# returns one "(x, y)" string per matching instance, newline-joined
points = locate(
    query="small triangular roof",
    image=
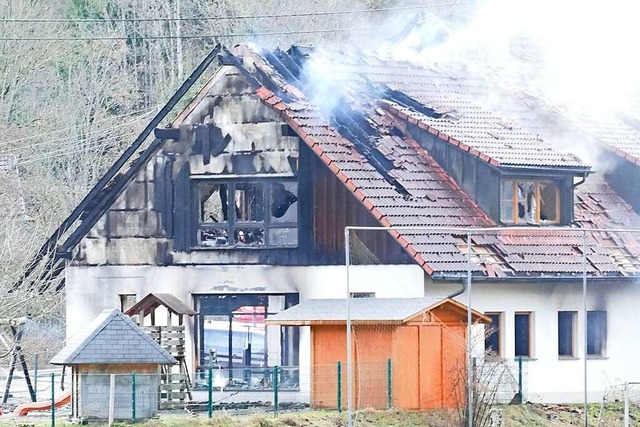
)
(153, 301)
(112, 338)
(365, 311)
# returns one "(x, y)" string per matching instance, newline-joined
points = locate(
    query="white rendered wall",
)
(92, 289)
(549, 378)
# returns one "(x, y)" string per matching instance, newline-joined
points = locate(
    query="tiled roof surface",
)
(112, 338)
(462, 122)
(413, 190)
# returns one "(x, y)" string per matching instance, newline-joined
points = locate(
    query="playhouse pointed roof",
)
(112, 338)
(365, 310)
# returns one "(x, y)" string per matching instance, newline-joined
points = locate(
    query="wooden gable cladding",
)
(334, 208)
(230, 134)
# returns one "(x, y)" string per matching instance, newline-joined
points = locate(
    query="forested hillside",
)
(80, 78)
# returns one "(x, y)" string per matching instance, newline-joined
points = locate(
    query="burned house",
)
(238, 208)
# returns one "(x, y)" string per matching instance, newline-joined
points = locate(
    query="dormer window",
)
(247, 213)
(529, 202)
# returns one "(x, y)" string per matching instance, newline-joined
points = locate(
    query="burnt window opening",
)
(247, 214)
(596, 333)
(529, 202)
(213, 200)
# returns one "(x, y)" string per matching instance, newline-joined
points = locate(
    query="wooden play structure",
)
(12, 340)
(406, 353)
(175, 384)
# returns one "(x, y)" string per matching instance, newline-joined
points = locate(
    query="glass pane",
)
(506, 201)
(565, 333)
(522, 334)
(284, 196)
(249, 236)
(213, 202)
(249, 202)
(596, 332)
(506, 190)
(492, 335)
(548, 202)
(283, 236)
(213, 237)
(506, 212)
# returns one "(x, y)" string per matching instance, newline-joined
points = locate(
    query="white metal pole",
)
(349, 361)
(584, 322)
(112, 398)
(469, 364)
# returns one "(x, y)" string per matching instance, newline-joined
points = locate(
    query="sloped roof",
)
(112, 338)
(362, 310)
(154, 300)
(402, 185)
(405, 194)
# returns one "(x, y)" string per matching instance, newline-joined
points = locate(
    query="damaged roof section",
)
(399, 182)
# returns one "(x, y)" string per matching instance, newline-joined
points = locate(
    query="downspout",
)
(573, 188)
(462, 290)
(584, 178)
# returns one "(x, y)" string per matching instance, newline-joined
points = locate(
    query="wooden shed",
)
(423, 338)
(113, 344)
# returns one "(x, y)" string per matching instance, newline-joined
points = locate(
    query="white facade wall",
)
(93, 289)
(549, 378)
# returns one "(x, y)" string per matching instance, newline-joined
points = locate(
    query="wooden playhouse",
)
(407, 352)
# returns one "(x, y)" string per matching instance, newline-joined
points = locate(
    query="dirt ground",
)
(526, 415)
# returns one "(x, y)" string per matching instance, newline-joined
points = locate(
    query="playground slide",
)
(43, 405)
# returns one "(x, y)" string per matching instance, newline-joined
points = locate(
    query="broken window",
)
(247, 214)
(249, 202)
(529, 202)
(566, 333)
(213, 202)
(596, 333)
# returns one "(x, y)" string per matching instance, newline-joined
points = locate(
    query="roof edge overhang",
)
(544, 171)
(462, 277)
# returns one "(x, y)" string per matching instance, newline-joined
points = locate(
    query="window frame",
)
(126, 299)
(602, 353)
(514, 200)
(573, 316)
(233, 224)
(530, 352)
(497, 333)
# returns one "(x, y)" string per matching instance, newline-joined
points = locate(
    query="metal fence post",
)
(389, 384)
(519, 395)
(210, 393)
(275, 390)
(626, 404)
(53, 400)
(133, 397)
(35, 375)
(339, 387)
